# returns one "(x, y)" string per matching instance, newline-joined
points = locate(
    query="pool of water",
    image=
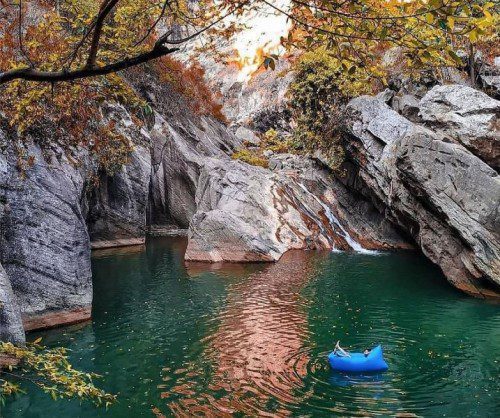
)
(251, 340)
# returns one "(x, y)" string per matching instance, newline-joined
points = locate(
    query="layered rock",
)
(117, 208)
(246, 213)
(52, 211)
(11, 325)
(44, 245)
(181, 141)
(440, 193)
(466, 116)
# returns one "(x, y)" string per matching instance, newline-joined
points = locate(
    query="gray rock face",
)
(491, 83)
(44, 245)
(243, 215)
(466, 116)
(438, 192)
(181, 141)
(234, 211)
(246, 213)
(246, 135)
(11, 325)
(44, 239)
(117, 207)
(180, 151)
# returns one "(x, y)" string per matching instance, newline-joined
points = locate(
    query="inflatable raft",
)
(358, 362)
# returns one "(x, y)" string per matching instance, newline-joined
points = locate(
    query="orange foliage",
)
(66, 114)
(190, 82)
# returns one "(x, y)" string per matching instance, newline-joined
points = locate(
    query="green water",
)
(252, 340)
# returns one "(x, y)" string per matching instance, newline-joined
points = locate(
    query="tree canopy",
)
(62, 40)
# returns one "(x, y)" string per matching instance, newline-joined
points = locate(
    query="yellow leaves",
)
(52, 374)
(451, 22)
(473, 36)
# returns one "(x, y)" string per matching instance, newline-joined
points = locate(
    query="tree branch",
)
(106, 7)
(31, 74)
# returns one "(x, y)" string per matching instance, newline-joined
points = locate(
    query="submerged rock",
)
(440, 193)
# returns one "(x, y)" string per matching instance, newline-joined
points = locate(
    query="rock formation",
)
(247, 213)
(430, 184)
(428, 177)
(466, 116)
(44, 245)
(116, 209)
(11, 326)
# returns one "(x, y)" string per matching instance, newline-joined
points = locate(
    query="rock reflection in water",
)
(258, 353)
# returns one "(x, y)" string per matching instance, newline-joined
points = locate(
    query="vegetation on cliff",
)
(78, 47)
(69, 114)
(318, 96)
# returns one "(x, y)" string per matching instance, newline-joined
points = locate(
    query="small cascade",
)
(356, 246)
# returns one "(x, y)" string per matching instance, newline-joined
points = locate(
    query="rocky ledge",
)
(246, 213)
(433, 178)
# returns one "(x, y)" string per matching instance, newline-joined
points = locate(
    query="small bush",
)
(251, 157)
(190, 82)
(318, 97)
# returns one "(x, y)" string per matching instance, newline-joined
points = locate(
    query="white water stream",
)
(356, 246)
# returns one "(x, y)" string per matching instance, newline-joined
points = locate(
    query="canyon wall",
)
(421, 171)
(436, 178)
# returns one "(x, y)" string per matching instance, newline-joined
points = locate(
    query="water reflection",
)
(258, 354)
(221, 340)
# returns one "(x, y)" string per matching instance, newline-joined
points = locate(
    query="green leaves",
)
(50, 370)
(455, 57)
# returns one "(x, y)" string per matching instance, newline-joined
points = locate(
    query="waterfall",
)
(356, 246)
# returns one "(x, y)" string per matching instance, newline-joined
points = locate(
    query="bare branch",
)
(199, 32)
(31, 74)
(155, 23)
(106, 8)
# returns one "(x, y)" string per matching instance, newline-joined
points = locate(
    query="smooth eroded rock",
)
(44, 245)
(11, 325)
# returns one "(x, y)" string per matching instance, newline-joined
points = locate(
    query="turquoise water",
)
(233, 340)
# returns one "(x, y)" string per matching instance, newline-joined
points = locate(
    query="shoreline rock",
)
(251, 214)
(123, 242)
(441, 194)
(11, 326)
(60, 318)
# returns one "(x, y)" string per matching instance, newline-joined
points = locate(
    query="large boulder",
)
(440, 193)
(466, 116)
(246, 213)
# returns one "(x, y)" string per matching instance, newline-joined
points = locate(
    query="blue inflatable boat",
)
(358, 362)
